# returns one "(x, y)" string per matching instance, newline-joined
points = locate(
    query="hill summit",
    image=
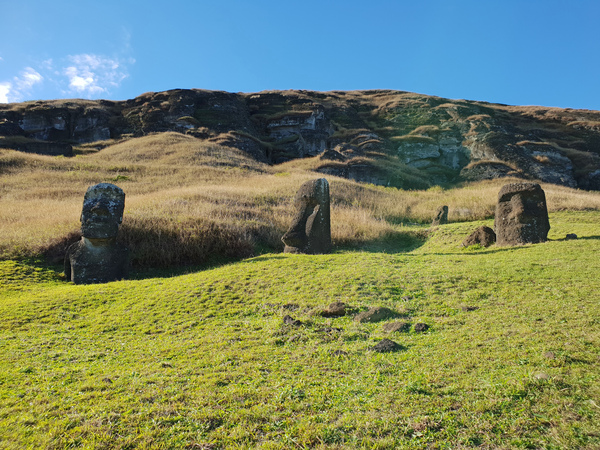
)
(362, 135)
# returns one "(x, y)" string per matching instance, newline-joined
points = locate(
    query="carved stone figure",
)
(521, 215)
(441, 216)
(97, 258)
(310, 231)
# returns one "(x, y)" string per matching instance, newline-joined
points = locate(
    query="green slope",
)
(203, 360)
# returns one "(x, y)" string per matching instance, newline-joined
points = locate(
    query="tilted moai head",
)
(97, 258)
(441, 216)
(521, 215)
(310, 231)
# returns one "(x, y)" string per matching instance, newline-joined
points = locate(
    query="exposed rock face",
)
(97, 258)
(310, 231)
(442, 140)
(441, 216)
(445, 149)
(301, 133)
(521, 215)
(483, 235)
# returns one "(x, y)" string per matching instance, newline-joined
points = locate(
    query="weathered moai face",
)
(310, 231)
(521, 214)
(102, 211)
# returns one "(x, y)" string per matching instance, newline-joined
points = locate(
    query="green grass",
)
(203, 360)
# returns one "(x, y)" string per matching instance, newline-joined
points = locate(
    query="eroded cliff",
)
(439, 140)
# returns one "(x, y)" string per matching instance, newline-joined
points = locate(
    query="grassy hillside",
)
(190, 201)
(204, 360)
(193, 351)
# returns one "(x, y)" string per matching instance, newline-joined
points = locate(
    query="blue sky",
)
(515, 52)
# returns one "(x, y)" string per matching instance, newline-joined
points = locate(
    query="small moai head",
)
(441, 216)
(310, 231)
(102, 213)
(521, 215)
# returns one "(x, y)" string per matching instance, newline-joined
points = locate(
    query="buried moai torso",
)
(310, 231)
(97, 258)
(521, 215)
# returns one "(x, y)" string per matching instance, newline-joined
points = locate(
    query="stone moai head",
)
(97, 257)
(441, 216)
(102, 211)
(310, 231)
(521, 215)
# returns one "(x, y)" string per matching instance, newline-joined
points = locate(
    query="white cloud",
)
(29, 78)
(21, 86)
(92, 75)
(4, 90)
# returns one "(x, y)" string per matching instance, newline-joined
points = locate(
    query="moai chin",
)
(310, 231)
(97, 258)
(521, 215)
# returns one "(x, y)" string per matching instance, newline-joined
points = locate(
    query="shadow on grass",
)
(391, 243)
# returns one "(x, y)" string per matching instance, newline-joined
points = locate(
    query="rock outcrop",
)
(439, 140)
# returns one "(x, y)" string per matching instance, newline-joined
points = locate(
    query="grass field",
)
(203, 360)
(193, 351)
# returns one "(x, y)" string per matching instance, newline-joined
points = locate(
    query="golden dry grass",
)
(184, 193)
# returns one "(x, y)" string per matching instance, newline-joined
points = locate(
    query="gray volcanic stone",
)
(289, 320)
(336, 309)
(386, 345)
(421, 327)
(375, 314)
(483, 236)
(521, 215)
(97, 258)
(310, 231)
(396, 327)
(441, 216)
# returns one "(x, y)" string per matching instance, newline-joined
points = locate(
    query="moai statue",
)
(521, 215)
(310, 232)
(441, 216)
(97, 258)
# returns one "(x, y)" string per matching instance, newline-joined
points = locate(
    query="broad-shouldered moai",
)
(521, 215)
(97, 258)
(310, 231)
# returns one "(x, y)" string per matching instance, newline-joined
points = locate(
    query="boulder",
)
(386, 346)
(310, 231)
(483, 236)
(521, 215)
(375, 314)
(396, 327)
(421, 327)
(336, 309)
